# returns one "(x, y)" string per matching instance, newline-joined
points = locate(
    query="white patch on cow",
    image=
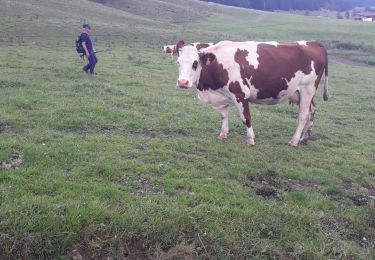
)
(303, 43)
(253, 90)
(215, 98)
(220, 102)
(250, 136)
(253, 56)
(271, 43)
(226, 58)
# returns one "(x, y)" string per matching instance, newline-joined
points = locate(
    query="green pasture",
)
(125, 165)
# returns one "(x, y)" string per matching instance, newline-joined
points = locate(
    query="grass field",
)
(124, 165)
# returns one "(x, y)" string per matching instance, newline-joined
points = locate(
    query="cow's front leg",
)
(223, 110)
(244, 111)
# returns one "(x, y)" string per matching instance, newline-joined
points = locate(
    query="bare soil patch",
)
(103, 245)
(3, 127)
(271, 185)
(15, 161)
(145, 186)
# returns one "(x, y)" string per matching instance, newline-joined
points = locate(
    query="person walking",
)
(88, 48)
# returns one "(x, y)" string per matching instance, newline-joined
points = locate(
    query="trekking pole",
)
(103, 50)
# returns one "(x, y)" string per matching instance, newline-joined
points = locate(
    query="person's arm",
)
(85, 48)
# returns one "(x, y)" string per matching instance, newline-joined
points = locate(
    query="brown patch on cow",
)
(202, 46)
(278, 65)
(320, 57)
(207, 58)
(235, 88)
(169, 50)
(213, 76)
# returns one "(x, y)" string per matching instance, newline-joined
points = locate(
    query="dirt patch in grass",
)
(266, 192)
(339, 229)
(358, 195)
(11, 84)
(3, 127)
(104, 245)
(145, 186)
(180, 251)
(271, 185)
(15, 161)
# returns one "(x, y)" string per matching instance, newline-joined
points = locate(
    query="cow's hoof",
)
(250, 142)
(222, 136)
(304, 140)
(293, 143)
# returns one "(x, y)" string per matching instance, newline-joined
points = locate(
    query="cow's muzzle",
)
(183, 83)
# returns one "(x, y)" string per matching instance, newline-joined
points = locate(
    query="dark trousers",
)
(91, 65)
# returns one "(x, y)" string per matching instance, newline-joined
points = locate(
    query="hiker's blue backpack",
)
(79, 47)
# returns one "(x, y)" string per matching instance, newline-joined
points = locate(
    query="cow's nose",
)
(183, 83)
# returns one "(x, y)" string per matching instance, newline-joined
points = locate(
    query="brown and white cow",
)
(259, 72)
(169, 49)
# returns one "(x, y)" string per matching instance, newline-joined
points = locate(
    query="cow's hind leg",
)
(306, 95)
(223, 110)
(309, 124)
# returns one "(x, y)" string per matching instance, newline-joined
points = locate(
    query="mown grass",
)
(123, 164)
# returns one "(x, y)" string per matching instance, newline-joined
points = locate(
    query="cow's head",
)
(190, 63)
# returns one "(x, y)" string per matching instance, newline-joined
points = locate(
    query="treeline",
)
(271, 5)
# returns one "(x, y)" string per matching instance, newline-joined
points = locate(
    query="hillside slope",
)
(178, 11)
(123, 165)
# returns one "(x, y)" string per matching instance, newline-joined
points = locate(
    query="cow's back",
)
(268, 69)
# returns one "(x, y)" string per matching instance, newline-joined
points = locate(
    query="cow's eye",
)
(195, 65)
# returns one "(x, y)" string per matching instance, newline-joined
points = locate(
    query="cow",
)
(258, 72)
(169, 49)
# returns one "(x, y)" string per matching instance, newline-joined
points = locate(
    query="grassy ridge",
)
(124, 164)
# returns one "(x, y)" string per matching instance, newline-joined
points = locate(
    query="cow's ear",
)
(179, 46)
(206, 58)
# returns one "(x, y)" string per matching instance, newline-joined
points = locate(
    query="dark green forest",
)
(271, 5)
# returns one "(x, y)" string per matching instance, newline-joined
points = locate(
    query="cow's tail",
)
(325, 90)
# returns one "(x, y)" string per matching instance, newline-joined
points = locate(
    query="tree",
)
(271, 5)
